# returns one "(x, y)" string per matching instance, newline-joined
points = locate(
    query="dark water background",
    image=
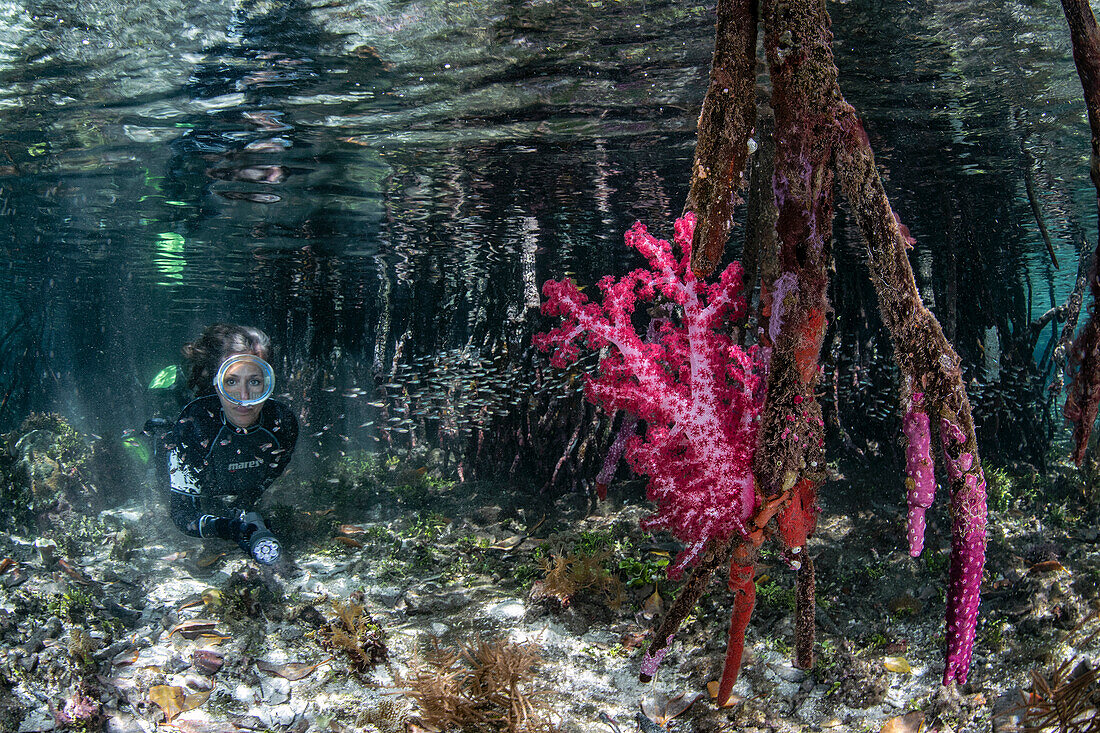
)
(383, 186)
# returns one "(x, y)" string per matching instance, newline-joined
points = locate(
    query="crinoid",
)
(484, 686)
(568, 575)
(1067, 699)
(355, 633)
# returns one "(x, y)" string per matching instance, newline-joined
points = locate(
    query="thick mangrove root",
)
(1084, 393)
(930, 368)
(725, 124)
(743, 585)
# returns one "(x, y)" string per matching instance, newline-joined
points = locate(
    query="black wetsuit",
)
(217, 471)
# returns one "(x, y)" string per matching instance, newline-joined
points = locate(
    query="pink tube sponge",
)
(968, 540)
(921, 477)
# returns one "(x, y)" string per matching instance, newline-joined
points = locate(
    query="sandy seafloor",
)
(442, 560)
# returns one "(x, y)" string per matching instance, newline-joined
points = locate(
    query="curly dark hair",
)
(206, 353)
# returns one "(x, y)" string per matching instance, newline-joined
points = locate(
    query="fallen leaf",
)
(194, 628)
(909, 723)
(291, 671)
(190, 603)
(214, 639)
(350, 529)
(207, 560)
(194, 700)
(126, 658)
(168, 698)
(652, 605)
(680, 703)
(897, 664)
(510, 543)
(73, 573)
(712, 690)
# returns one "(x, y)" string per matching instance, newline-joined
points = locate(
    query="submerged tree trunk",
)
(1084, 393)
(818, 136)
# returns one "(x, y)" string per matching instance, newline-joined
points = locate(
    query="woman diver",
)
(229, 443)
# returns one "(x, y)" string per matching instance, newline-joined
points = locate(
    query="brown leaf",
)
(509, 543)
(904, 603)
(291, 671)
(126, 658)
(73, 573)
(168, 698)
(350, 529)
(909, 723)
(712, 690)
(680, 703)
(1047, 566)
(194, 628)
(194, 700)
(214, 639)
(189, 603)
(207, 560)
(652, 605)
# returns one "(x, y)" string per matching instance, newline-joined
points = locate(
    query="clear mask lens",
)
(245, 380)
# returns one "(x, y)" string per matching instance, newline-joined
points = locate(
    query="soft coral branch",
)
(698, 392)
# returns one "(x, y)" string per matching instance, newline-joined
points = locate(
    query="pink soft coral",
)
(699, 393)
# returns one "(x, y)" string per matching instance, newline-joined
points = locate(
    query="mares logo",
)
(245, 464)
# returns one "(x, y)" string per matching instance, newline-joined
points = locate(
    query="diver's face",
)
(243, 381)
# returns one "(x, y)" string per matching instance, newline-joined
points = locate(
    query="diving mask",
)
(245, 380)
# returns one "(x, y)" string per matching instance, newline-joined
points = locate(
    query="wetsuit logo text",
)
(244, 464)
